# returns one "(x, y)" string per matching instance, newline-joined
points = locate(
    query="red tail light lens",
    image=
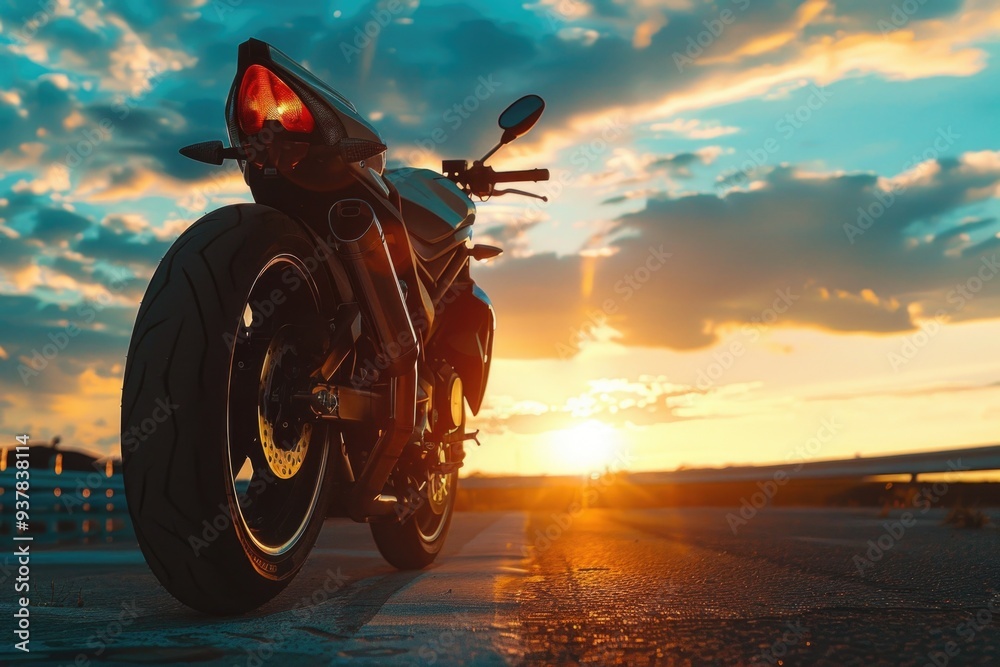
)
(263, 97)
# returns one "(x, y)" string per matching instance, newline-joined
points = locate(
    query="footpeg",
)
(473, 435)
(446, 467)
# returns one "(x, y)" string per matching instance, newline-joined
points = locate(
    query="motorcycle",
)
(311, 354)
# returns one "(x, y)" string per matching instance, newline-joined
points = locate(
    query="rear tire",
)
(178, 433)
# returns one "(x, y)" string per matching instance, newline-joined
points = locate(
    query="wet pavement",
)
(663, 586)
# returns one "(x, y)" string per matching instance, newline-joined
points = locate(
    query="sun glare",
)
(588, 447)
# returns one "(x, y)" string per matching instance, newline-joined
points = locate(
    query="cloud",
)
(511, 234)
(54, 179)
(31, 323)
(35, 109)
(614, 401)
(765, 49)
(117, 241)
(53, 225)
(694, 128)
(642, 193)
(679, 165)
(102, 44)
(781, 250)
(626, 167)
(16, 252)
(924, 390)
(122, 43)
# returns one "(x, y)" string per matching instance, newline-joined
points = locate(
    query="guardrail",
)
(978, 459)
(965, 459)
(69, 506)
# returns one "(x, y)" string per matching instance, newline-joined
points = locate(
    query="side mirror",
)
(520, 117)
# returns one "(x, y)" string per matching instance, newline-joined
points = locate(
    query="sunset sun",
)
(585, 448)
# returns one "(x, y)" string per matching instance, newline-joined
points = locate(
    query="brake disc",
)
(284, 439)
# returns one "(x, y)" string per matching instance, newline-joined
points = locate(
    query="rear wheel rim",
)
(273, 344)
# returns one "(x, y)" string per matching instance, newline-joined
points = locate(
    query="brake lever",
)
(512, 191)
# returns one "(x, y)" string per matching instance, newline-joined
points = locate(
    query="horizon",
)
(615, 467)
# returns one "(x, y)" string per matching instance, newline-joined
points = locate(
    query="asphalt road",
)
(669, 587)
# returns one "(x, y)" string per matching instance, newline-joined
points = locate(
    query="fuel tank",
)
(433, 207)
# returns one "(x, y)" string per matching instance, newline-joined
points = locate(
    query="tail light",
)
(263, 97)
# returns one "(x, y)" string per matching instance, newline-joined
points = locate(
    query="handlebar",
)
(522, 175)
(480, 179)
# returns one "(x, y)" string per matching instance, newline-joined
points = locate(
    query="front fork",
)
(342, 404)
(353, 403)
(392, 403)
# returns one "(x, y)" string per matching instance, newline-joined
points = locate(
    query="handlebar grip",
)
(522, 175)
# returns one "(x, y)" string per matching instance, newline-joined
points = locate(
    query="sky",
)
(771, 230)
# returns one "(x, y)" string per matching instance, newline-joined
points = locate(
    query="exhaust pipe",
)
(360, 244)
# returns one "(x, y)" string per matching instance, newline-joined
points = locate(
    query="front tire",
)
(229, 317)
(415, 537)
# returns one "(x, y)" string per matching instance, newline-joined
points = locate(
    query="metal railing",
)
(68, 506)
